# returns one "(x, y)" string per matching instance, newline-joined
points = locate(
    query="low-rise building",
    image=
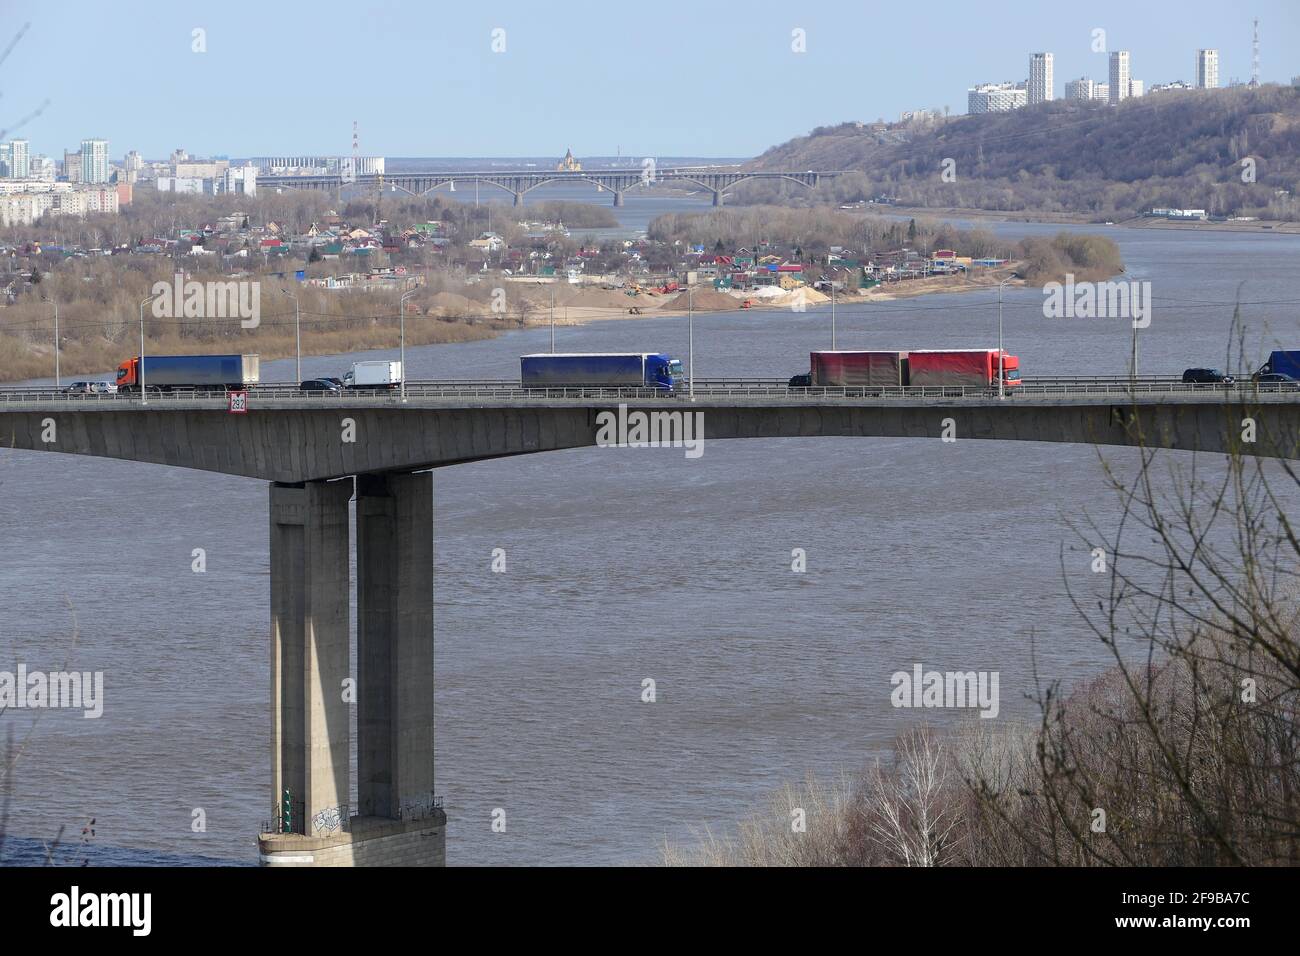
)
(996, 97)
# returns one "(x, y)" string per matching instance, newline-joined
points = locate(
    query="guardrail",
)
(717, 389)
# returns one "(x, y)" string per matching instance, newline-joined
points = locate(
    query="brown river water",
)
(622, 565)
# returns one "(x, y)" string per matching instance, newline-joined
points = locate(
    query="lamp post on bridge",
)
(144, 396)
(690, 342)
(54, 302)
(832, 314)
(297, 330)
(1001, 385)
(401, 309)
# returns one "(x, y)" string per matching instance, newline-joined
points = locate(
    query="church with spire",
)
(568, 164)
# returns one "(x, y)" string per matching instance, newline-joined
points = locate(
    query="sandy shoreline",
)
(584, 315)
(1069, 219)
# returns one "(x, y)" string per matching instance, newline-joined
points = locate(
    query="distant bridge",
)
(716, 180)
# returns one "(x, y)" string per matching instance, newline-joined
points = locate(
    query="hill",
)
(1181, 149)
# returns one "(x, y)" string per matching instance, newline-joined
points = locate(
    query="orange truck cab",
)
(128, 375)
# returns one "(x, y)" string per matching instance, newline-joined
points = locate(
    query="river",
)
(622, 565)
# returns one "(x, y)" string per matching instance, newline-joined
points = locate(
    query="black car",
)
(801, 381)
(1274, 378)
(320, 385)
(1207, 376)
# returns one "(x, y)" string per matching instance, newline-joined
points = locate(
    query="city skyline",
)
(233, 88)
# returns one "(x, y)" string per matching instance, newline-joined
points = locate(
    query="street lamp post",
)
(57, 382)
(832, 315)
(297, 331)
(552, 318)
(401, 308)
(1133, 368)
(144, 396)
(1002, 393)
(690, 342)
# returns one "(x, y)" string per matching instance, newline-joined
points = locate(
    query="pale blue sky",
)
(663, 78)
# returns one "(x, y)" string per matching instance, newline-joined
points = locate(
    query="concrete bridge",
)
(521, 182)
(319, 453)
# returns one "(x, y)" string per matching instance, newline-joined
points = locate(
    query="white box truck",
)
(373, 375)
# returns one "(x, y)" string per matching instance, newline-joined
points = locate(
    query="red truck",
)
(970, 367)
(977, 368)
(843, 368)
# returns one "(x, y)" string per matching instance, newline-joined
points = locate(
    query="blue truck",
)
(165, 373)
(600, 370)
(1282, 362)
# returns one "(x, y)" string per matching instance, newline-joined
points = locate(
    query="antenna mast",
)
(1254, 61)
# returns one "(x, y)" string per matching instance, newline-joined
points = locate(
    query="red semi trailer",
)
(975, 368)
(970, 367)
(852, 368)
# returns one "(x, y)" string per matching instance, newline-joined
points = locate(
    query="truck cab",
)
(128, 375)
(664, 371)
(1010, 370)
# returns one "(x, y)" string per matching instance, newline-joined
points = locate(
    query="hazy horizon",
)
(424, 81)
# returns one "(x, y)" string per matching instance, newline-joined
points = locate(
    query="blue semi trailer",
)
(1282, 362)
(165, 373)
(600, 370)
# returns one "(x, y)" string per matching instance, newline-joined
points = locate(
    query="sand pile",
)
(704, 300)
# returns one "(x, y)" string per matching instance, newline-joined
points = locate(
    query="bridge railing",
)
(512, 391)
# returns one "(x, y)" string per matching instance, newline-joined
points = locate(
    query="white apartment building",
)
(19, 159)
(24, 202)
(239, 180)
(1080, 89)
(43, 169)
(1119, 76)
(185, 184)
(1041, 83)
(94, 161)
(1136, 87)
(1207, 69)
(321, 165)
(9, 187)
(996, 98)
(24, 209)
(80, 202)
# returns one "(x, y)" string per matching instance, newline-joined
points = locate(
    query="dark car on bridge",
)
(1279, 380)
(801, 381)
(320, 385)
(1207, 376)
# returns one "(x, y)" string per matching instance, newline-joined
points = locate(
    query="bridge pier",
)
(394, 642)
(397, 820)
(519, 199)
(717, 197)
(618, 198)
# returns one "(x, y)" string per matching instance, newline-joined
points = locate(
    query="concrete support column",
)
(394, 643)
(618, 198)
(309, 651)
(717, 197)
